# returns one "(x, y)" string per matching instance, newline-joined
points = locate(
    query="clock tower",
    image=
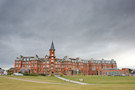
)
(52, 59)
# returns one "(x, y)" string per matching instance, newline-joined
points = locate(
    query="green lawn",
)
(41, 78)
(10, 84)
(104, 79)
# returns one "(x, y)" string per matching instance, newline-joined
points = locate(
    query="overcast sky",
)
(79, 28)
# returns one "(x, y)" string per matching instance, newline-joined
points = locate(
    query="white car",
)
(18, 74)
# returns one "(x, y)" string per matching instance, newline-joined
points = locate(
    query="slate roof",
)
(52, 46)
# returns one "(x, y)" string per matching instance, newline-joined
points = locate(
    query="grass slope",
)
(40, 78)
(104, 79)
(10, 84)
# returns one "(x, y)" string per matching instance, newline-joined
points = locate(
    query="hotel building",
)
(68, 66)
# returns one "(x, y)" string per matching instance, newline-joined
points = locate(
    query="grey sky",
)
(79, 28)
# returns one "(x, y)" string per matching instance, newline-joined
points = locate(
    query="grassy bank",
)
(10, 84)
(104, 79)
(40, 78)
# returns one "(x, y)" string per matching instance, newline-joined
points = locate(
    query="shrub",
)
(42, 74)
(52, 75)
(33, 74)
(80, 74)
(26, 74)
(61, 74)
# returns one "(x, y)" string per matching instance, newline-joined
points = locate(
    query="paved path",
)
(33, 80)
(72, 81)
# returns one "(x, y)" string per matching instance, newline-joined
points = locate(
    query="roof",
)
(110, 69)
(58, 58)
(52, 46)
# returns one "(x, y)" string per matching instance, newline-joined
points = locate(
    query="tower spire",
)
(52, 46)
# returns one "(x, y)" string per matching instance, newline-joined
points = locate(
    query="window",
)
(106, 73)
(47, 65)
(16, 65)
(51, 67)
(47, 62)
(25, 59)
(52, 60)
(35, 65)
(43, 65)
(126, 71)
(100, 72)
(55, 65)
(28, 59)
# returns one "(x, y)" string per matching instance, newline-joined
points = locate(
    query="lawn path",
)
(32, 80)
(73, 81)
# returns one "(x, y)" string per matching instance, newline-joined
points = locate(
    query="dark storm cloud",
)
(79, 28)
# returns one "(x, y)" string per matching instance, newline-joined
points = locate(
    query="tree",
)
(10, 71)
(130, 71)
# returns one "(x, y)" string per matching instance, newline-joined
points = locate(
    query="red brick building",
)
(68, 66)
